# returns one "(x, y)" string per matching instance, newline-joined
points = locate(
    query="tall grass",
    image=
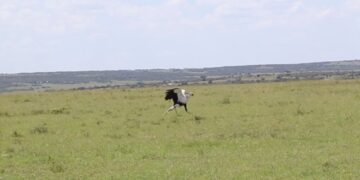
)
(294, 130)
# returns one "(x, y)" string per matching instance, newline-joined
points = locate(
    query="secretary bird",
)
(179, 96)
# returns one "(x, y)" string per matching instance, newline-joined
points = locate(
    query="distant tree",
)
(140, 84)
(239, 78)
(184, 83)
(203, 77)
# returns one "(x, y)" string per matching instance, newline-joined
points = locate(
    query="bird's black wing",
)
(172, 94)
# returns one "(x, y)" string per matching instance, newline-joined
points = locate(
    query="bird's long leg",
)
(185, 106)
(172, 108)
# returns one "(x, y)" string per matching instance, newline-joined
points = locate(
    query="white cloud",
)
(91, 29)
(42, 16)
(325, 13)
(63, 16)
(177, 2)
(354, 4)
(296, 6)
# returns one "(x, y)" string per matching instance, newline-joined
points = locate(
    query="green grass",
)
(294, 130)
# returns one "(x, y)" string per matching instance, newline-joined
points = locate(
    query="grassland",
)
(294, 130)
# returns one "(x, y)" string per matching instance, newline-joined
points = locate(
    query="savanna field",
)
(290, 130)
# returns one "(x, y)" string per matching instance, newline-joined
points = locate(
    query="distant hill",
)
(353, 65)
(33, 81)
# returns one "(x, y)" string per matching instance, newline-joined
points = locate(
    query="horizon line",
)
(144, 69)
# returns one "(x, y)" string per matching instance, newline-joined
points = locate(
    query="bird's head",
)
(190, 94)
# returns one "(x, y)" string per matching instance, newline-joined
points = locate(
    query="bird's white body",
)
(182, 96)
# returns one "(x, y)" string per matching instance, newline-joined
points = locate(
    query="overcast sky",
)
(63, 35)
